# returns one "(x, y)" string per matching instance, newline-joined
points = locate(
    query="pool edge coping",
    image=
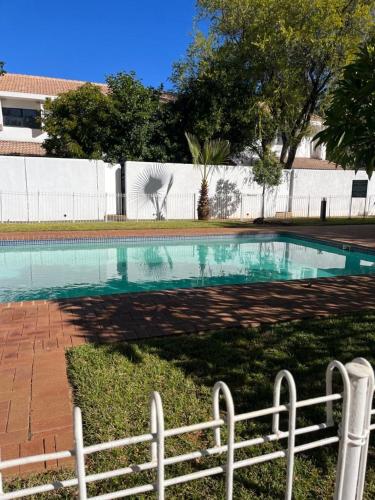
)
(219, 235)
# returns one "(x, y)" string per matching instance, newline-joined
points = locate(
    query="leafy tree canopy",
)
(350, 119)
(135, 120)
(210, 107)
(123, 124)
(285, 53)
(2, 70)
(267, 172)
(77, 123)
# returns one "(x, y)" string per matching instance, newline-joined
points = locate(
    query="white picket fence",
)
(353, 436)
(77, 207)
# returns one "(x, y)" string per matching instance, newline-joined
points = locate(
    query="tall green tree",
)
(349, 132)
(285, 52)
(135, 120)
(2, 70)
(124, 123)
(77, 123)
(267, 170)
(207, 158)
(209, 106)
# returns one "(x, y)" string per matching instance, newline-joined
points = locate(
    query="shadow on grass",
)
(249, 359)
(111, 382)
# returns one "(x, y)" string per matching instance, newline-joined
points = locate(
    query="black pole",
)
(123, 190)
(323, 209)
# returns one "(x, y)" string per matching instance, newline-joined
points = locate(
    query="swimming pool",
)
(64, 269)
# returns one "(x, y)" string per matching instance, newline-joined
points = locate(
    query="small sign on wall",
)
(359, 189)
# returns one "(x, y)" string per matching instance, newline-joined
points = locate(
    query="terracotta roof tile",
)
(168, 97)
(28, 84)
(315, 164)
(16, 148)
(11, 82)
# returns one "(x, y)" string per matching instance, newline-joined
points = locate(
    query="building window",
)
(19, 117)
(359, 189)
(279, 140)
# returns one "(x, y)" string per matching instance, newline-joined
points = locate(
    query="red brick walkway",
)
(35, 397)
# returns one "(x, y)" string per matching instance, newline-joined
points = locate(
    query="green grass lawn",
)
(172, 224)
(112, 386)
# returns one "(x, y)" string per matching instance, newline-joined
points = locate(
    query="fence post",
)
(241, 209)
(221, 387)
(195, 203)
(285, 374)
(28, 206)
(73, 210)
(286, 207)
(357, 435)
(1, 206)
(350, 207)
(38, 206)
(79, 454)
(157, 449)
(364, 210)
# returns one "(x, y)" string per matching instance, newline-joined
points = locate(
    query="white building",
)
(22, 99)
(307, 147)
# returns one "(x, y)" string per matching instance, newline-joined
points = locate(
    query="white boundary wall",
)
(26, 181)
(334, 185)
(146, 181)
(46, 189)
(148, 184)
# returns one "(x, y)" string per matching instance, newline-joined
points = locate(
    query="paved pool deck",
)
(35, 396)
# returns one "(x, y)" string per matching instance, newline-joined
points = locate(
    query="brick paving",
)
(35, 396)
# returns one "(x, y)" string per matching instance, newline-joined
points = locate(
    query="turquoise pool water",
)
(55, 270)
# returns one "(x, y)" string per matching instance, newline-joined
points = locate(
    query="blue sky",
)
(88, 39)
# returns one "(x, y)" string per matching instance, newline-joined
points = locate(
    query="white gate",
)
(353, 439)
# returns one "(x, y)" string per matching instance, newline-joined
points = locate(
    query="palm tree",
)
(214, 152)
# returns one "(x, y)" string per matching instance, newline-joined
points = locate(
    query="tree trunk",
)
(203, 203)
(291, 156)
(263, 200)
(300, 125)
(284, 148)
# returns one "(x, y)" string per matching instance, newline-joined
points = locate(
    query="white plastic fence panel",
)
(76, 207)
(371, 206)
(357, 379)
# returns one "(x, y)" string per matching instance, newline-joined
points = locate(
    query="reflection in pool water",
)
(61, 270)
